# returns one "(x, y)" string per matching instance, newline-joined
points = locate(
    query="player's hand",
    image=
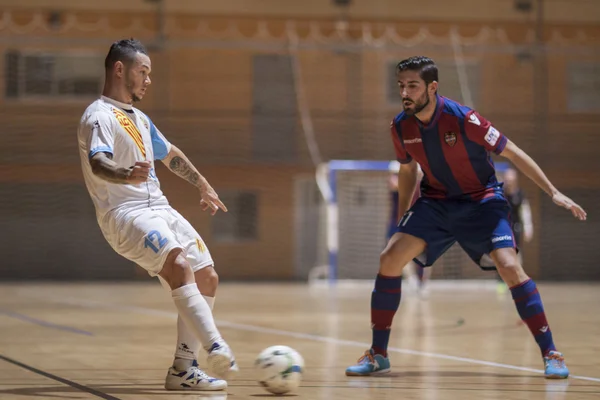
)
(565, 202)
(210, 200)
(139, 172)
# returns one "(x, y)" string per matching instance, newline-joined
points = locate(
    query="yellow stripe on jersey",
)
(131, 129)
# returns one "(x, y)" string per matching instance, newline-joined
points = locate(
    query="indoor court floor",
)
(115, 341)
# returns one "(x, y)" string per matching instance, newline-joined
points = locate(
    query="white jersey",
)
(129, 135)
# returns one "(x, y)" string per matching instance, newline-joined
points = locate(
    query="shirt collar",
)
(114, 102)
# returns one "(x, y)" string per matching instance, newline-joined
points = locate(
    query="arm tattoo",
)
(105, 168)
(183, 168)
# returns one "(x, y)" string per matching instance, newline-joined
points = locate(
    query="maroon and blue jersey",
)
(453, 151)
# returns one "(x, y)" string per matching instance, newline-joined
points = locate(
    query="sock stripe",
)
(392, 291)
(536, 323)
(377, 316)
(526, 296)
(520, 284)
(381, 276)
(388, 283)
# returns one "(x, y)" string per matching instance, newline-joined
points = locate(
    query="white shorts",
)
(147, 236)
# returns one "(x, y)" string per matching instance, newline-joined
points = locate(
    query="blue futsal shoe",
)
(554, 366)
(370, 364)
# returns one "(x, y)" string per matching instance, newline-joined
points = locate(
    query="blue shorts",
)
(479, 228)
(392, 229)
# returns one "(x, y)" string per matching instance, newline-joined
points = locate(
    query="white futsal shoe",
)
(193, 378)
(221, 361)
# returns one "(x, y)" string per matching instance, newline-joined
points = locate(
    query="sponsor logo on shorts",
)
(501, 238)
(200, 245)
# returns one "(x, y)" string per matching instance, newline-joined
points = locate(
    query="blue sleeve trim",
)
(101, 149)
(159, 147)
(501, 145)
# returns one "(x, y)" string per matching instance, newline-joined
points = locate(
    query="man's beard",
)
(129, 86)
(418, 106)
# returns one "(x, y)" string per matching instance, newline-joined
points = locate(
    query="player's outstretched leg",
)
(531, 310)
(385, 300)
(196, 313)
(188, 345)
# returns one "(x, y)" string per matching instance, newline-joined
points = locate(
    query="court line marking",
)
(307, 336)
(65, 381)
(43, 323)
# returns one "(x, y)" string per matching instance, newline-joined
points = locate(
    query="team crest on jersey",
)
(450, 138)
(145, 121)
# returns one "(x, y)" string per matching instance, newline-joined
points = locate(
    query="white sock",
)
(188, 344)
(196, 316)
(210, 301)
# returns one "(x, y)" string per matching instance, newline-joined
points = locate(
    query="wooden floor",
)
(90, 341)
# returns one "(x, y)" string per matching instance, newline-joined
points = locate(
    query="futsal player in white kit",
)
(118, 145)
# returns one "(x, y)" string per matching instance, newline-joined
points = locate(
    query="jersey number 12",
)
(151, 238)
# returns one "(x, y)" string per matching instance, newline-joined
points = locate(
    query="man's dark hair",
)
(424, 65)
(125, 51)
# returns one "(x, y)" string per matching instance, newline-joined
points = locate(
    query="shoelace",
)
(200, 375)
(366, 356)
(556, 359)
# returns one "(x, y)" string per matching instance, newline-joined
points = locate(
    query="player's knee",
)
(507, 261)
(176, 270)
(508, 265)
(385, 257)
(400, 250)
(207, 280)
(510, 269)
(389, 264)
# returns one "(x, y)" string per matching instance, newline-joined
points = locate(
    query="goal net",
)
(357, 214)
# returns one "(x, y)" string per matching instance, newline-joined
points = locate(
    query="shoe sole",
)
(220, 365)
(554, 376)
(197, 388)
(380, 372)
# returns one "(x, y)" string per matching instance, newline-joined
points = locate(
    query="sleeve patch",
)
(492, 136)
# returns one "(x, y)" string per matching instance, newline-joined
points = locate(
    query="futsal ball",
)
(279, 369)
